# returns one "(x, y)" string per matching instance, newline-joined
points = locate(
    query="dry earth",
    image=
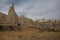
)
(29, 35)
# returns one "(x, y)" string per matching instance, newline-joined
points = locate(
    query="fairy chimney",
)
(12, 17)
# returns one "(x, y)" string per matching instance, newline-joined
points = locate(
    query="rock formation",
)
(11, 22)
(12, 17)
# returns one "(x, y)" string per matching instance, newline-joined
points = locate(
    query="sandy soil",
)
(29, 35)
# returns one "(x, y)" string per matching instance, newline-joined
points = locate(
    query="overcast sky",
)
(35, 9)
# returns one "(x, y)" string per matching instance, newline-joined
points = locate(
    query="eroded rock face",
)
(12, 16)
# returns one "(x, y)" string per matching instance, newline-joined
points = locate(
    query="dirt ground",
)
(29, 35)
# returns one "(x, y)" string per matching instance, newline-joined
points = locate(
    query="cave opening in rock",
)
(1, 28)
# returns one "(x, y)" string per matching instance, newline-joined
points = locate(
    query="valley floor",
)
(29, 35)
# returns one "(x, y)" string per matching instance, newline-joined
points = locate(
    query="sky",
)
(34, 9)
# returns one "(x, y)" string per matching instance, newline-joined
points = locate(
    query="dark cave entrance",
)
(1, 28)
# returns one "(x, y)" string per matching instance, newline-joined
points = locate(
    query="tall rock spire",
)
(12, 17)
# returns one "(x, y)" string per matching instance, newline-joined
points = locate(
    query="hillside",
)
(50, 25)
(26, 23)
(31, 30)
(2, 18)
